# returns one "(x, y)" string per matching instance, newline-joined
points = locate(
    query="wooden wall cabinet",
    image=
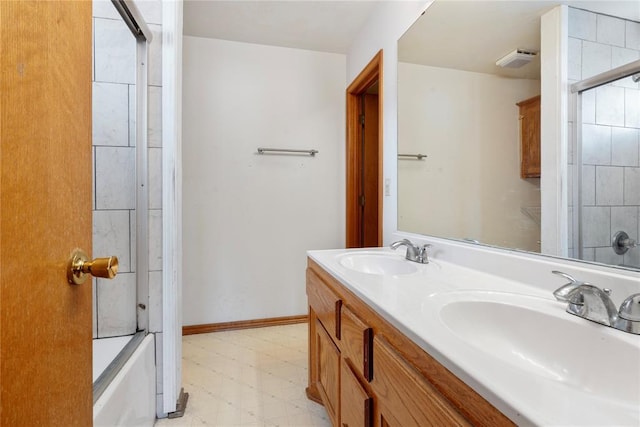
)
(367, 373)
(530, 137)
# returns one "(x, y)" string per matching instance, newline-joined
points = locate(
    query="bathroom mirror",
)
(458, 108)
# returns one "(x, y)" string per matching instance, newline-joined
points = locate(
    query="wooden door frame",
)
(369, 75)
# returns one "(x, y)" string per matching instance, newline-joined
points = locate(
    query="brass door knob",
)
(79, 267)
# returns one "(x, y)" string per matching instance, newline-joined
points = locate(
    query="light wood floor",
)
(251, 377)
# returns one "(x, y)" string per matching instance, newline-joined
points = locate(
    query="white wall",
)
(467, 123)
(554, 131)
(248, 219)
(169, 342)
(384, 27)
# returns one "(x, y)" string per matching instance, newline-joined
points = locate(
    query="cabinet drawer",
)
(404, 397)
(356, 404)
(325, 303)
(356, 342)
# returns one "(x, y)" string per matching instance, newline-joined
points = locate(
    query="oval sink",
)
(378, 263)
(534, 334)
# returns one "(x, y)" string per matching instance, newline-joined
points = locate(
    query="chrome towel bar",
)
(261, 150)
(412, 156)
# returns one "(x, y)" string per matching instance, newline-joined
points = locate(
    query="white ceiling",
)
(471, 35)
(481, 33)
(323, 25)
(466, 34)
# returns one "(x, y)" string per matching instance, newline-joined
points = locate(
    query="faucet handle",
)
(621, 243)
(423, 257)
(630, 308)
(569, 277)
(562, 293)
(629, 315)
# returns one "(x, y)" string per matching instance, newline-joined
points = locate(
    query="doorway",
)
(364, 157)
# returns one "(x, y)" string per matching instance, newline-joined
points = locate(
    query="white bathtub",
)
(130, 398)
(105, 351)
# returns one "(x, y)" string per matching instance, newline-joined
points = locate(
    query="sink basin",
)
(536, 335)
(378, 263)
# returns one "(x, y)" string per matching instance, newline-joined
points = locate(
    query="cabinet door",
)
(355, 403)
(328, 368)
(530, 138)
(403, 397)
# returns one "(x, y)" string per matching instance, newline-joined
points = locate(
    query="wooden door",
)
(364, 168)
(45, 212)
(370, 166)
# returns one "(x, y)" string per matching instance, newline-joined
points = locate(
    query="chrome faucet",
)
(592, 303)
(562, 292)
(414, 253)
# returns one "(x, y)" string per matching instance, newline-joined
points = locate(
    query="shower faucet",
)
(621, 243)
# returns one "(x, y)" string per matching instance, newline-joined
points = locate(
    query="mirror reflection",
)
(468, 98)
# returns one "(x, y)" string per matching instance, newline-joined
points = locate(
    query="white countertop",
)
(601, 388)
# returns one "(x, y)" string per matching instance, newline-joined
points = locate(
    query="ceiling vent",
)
(517, 58)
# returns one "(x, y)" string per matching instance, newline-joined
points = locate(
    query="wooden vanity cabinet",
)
(530, 137)
(367, 373)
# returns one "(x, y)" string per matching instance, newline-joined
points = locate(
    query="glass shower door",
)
(120, 202)
(607, 167)
(114, 152)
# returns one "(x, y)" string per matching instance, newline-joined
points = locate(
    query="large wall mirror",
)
(468, 160)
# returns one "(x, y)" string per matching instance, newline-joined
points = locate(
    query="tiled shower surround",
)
(610, 133)
(114, 171)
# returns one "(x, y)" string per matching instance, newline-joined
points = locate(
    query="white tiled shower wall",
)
(610, 133)
(114, 165)
(114, 171)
